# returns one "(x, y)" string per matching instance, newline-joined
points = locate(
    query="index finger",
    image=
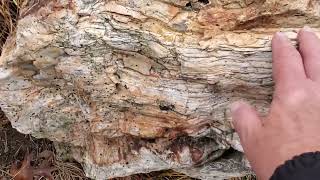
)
(287, 65)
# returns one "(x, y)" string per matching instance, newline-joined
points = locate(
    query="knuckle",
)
(296, 97)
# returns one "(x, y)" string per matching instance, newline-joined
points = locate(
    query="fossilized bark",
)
(135, 86)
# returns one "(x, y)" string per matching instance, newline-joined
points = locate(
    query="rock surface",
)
(133, 86)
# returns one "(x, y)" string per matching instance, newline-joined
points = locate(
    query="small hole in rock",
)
(118, 86)
(151, 141)
(166, 107)
(204, 1)
(189, 5)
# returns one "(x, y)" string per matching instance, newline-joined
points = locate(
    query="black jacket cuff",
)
(302, 167)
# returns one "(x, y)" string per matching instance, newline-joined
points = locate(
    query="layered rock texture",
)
(133, 86)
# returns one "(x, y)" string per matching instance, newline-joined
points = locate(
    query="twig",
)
(5, 172)
(6, 149)
(18, 150)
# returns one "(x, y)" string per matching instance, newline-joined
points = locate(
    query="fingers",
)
(287, 66)
(246, 121)
(309, 46)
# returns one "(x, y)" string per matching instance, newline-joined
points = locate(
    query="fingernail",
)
(307, 28)
(280, 35)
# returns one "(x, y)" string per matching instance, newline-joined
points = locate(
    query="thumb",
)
(245, 120)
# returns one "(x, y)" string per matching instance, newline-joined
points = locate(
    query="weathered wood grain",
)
(144, 85)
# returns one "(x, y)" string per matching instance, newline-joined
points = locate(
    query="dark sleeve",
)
(303, 167)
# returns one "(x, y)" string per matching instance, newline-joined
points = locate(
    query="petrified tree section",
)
(144, 85)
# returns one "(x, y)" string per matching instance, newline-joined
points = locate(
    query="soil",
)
(14, 145)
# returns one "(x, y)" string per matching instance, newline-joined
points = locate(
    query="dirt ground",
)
(14, 146)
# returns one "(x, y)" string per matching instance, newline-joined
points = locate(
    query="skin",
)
(293, 124)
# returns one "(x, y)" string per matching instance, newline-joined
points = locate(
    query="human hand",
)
(292, 126)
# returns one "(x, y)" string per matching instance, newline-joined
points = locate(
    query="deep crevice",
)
(189, 5)
(204, 1)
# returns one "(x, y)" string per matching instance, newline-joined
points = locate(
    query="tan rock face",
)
(135, 86)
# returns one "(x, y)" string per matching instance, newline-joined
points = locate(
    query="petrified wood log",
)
(132, 86)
